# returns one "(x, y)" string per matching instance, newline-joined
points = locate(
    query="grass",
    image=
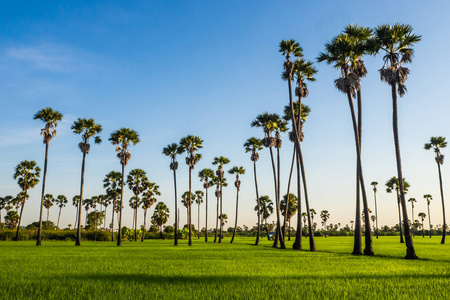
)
(155, 269)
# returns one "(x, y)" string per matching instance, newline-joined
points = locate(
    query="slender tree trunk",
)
(59, 216)
(190, 205)
(176, 207)
(281, 235)
(20, 217)
(135, 223)
(423, 231)
(289, 230)
(80, 203)
(288, 192)
(221, 212)
(145, 224)
(368, 250)
(198, 220)
(258, 234)
(46, 225)
(275, 244)
(429, 217)
(267, 229)
(206, 212)
(39, 236)
(75, 227)
(376, 212)
(400, 219)
(217, 221)
(119, 236)
(410, 252)
(298, 234)
(443, 207)
(112, 220)
(235, 221)
(357, 244)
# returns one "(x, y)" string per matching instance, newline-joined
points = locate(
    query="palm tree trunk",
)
(281, 235)
(80, 203)
(176, 207)
(357, 245)
(206, 212)
(112, 219)
(221, 212)
(376, 212)
(235, 222)
(198, 220)
(288, 192)
(267, 229)
(190, 205)
(368, 250)
(410, 252)
(289, 230)
(400, 219)
(20, 217)
(275, 244)
(135, 223)
(59, 216)
(119, 236)
(423, 231)
(145, 225)
(298, 234)
(258, 234)
(443, 207)
(39, 236)
(429, 218)
(217, 221)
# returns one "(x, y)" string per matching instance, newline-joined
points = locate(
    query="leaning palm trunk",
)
(275, 244)
(410, 252)
(368, 250)
(279, 233)
(80, 203)
(235, 222)
(287, 201)
(176, 207)
(119, 236)
(258, 234)
(357, 245)
(59, 216)
(400, 219)
(443, 207)
(39, 236)
(298, 234)
(429, 219)
(20, 218)
(112, 219)
(76, 220)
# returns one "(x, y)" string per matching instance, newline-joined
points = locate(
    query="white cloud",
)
(11, 137)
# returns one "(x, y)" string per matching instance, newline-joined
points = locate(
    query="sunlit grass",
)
(156, 269)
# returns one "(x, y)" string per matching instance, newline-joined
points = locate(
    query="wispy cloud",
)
(12, 137)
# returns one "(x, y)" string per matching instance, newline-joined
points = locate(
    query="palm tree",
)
(219, 182)
(264, 208)
(160, 216)
(191, 144)
(344, 52)
(374, 184)
(412, 200)
(397, 42)
(122, 139)
(48, 203)
(304, 71)
(75, 201)
(87, 128)
(172, 150)
(223, 220)
(325, 215)
(254, 144)
(437, 143)
(198, 201)
(393, 184)
(270, 123)
(87, 205)
(312, 212)
(106, 202)
(236, 171)
(187, 200)
(51, 118)
(112, 185)
(27, 174)
(93, 203)
(429, 198)
(220, 161)
(60, 201)
(292, 206)
(3, 204)
(207, 177)
(137, 182)
(422, 216)
(148, 199)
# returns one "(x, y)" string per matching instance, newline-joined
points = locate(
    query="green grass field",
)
(155, 269)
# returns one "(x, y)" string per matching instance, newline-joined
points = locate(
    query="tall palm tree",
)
(93, 203)
(187, 200)
(397, 42)
(374, 184)
(75, 201)
(437, 143)
(219, 182)
(113, 190)
(191, 144)
(60, 201)
(172, 150)
(344, 52)
(220, 161)
(207, 177)
(237, 183)
(107, 200)
(304, 71)
(3, 204)
(254, 145)
(27, 174)
(51, 118)
(160, 216)
(264, 208)
(412, 200)
(422, 216)
(87, 205)
(137, 182)
(87, 128)
(270, 123)
(199, 200)
(48, 203)
(148, 199)
(428, 197)
(122, 139)
(325, 215)
(292, 206)
(391, 185)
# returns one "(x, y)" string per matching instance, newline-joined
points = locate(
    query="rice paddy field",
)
(155, 269)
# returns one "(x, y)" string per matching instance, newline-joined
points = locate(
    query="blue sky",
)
(172, 68)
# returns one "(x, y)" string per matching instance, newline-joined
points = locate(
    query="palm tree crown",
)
(51, 118)
(87, 128)
(172, 150)
(122, 138)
